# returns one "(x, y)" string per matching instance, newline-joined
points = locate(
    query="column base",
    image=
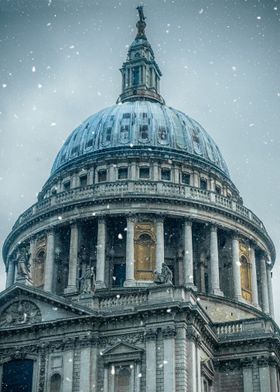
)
(129, 283)
(70, 290)
(100, 285)
(217, 292)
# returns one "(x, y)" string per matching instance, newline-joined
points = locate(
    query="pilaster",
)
(101, 253)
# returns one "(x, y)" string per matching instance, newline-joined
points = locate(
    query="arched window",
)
(246, 282)
(55, 383)
(145, 251)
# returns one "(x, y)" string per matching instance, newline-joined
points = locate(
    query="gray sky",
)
(220, 60)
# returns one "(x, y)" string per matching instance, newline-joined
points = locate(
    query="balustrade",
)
(139, 187)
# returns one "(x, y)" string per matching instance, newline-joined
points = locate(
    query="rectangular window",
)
(122, 173)
(203, 184)
(66, 185)
(166, 174)
(126, 115)
(218, 190)
(185, 178)
(102, 175)
(144, 172)
(83, 181)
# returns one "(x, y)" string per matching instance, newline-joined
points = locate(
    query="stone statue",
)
(88, 281)
(165, 276)
(23, 263)
(141, 24)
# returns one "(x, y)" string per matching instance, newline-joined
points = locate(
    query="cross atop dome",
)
(140, 73)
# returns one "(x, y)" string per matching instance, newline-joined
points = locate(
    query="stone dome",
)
(140, 124)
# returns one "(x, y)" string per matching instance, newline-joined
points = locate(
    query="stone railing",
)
(122, 301)
(245, 327)
(126, 188)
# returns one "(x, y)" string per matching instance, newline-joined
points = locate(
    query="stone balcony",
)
(156, 189)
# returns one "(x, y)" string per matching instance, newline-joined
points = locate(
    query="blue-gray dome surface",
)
(140, 124)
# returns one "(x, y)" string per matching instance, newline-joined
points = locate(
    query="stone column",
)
(270, 293)
(137, 376)
(198, 369)
(106, 379)
(236, 268)
(155, 171)
(188, 255)
(85, 370)
(73, 259)
(264, 372)
(160, 244)
(151, 363)
(169, 359)
(214, 262)
(264, 288)
(247, 377)
(129, 252)
(255, 299)
(49, 262)
(11, 272)
(32, 255)
(68, 358)
(195, 179)
(95, 352)
(101, 244)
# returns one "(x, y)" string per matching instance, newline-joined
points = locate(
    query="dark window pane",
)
(17, 376)
(185, 178)
(66, 186)
(203, 184)
(122, 173)
(165, 174)
(144, 172)
(143, 131)
(102, 175)
(83, 181)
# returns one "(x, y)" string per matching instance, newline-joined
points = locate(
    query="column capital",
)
(151, 334)
(169, 332)
(213, 226)
(235, 235)
(131, 217)
(188, 221)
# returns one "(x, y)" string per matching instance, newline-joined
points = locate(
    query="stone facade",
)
(139, 268)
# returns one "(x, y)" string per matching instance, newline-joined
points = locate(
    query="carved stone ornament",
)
(165, 276)
(20, 313)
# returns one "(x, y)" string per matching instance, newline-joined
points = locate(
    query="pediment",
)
(22, 305)
(122, 352)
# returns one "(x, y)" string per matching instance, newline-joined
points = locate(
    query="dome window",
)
(102, 175)
(75, 150)
(89, 143)
(165, 174)
(143, 132)
(108, 134)
(124, 132)
(122, 173)
(186, 178)
(144, 172)
(126, 115)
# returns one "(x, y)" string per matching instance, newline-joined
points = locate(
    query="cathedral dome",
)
(143, 125)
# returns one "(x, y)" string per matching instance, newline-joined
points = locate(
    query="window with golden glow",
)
(246, 282)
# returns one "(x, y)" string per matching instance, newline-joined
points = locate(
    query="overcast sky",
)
(60, 60)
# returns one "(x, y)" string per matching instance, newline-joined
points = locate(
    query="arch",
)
(246, 280)
(56, 383)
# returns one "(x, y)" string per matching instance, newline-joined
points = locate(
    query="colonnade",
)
(188, 261)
